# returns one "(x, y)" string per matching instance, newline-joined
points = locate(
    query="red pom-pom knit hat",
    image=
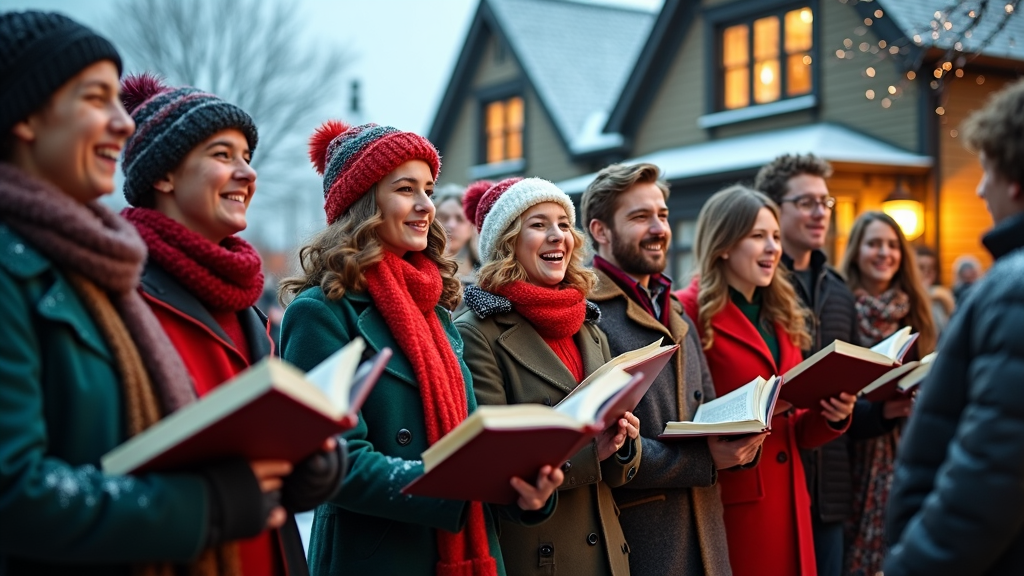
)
(354, 158)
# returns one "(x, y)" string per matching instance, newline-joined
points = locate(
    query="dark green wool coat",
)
(370, 527)
(60, 411)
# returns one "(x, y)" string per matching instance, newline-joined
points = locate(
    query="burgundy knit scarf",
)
(93, 242)
(225, 277)
(406, 292)
(554, 312)
(879, 316)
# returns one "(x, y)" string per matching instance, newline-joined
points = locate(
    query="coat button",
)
(697, 395)
(631, 473)
(782, 458)
(592, 539)
(566, 466)
(403, 437)
(546, 550)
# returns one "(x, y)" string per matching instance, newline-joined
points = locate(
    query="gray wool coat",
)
(671, 512)
(512, 364)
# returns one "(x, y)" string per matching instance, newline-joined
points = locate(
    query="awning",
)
(829, 141)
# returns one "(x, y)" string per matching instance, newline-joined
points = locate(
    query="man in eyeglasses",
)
(797, 184)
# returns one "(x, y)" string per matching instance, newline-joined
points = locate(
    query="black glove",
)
(238, 508)
(315, 480)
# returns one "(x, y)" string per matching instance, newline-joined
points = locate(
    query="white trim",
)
(494, 169)
(759, 111)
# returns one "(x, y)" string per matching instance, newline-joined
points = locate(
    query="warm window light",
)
(907, 212)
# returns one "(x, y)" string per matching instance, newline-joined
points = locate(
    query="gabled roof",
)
(729, 155)
(577, 58)
(914, 17)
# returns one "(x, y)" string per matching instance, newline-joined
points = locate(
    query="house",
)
(711, 90)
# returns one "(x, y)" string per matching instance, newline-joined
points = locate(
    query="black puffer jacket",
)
(957, 502)
(834, 318)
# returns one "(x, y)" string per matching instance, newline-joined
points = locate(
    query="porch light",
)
(905, 210)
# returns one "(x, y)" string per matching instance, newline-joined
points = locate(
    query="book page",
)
(894, 344)
(736, 406)
(623, 360)
(333, 376)
(585, 402)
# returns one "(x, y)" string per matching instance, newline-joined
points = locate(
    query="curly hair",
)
(998, 131)
(907, 277)
(600, 199)
(505, 269)
(336, 258)
(773, 178)
(726, 219)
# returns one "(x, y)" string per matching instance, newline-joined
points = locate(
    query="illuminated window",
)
(503, 129)
(767, 59)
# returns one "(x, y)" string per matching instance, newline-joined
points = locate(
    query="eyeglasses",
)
(807, 202)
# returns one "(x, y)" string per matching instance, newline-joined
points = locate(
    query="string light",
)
(870, 94)
(886, 102)
(940, 110)
(911, 75)
(870, 72)
(892, 90)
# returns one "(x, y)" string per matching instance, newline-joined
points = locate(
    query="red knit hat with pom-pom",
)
(354, 158)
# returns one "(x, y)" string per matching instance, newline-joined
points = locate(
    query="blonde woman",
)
(379, 272)
(881, 270)
(530, 337)
(752, 325)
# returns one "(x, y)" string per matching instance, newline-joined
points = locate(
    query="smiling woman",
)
(188, 178)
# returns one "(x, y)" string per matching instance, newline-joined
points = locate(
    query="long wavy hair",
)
(505, 269)
(725, 220)
(336, 259)
(906, 279)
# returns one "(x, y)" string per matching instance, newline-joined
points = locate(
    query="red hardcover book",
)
(746, 410)
(899, 382)
(270, 411)
(843, 367)
(476, 460)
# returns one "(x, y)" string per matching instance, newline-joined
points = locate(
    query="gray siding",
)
(844, 83)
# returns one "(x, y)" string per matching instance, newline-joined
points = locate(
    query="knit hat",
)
(39, 52)
(493, 208)
(353, 159)
(169, 123)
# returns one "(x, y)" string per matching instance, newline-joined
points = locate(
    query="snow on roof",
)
(829, 141)
(578, 57)
(914, 17)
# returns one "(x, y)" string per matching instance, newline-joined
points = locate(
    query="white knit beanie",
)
(495, 208)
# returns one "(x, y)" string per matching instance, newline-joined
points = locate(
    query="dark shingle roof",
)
(914, 18)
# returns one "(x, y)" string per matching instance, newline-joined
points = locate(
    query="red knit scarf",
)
(224, 277)
(556, 314)
(406, 292)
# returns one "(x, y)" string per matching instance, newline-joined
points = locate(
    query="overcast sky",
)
(404, 54)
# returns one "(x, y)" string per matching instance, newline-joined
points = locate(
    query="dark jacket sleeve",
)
(958, 508)
(679, 463)
(868, 421)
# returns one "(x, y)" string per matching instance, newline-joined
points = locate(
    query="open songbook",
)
(476, 460)
(844, 367)
(898, 382)
(746, 410)
(271, 411)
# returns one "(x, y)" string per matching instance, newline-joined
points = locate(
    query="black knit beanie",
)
(39, 52)
(169, 123)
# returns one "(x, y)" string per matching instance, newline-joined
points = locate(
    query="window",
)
(503, 130)
(685, 266)
(766, 59)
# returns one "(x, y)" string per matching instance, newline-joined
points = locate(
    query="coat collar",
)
(158, 285)
(607, 290)
(1007, 236)
(484, 304)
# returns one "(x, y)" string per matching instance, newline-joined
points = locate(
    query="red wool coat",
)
(212, 358)
(767, 508)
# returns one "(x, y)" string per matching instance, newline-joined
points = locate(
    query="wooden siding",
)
(671, 120)
(844, 82)
(460, 152)
(963, 218)
(545, 155)
(491, 71)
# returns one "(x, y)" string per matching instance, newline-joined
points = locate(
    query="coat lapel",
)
(731, 323)
(375, 330)
(523, 343)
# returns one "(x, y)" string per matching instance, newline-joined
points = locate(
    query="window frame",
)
(487, 96)
(716, 20)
